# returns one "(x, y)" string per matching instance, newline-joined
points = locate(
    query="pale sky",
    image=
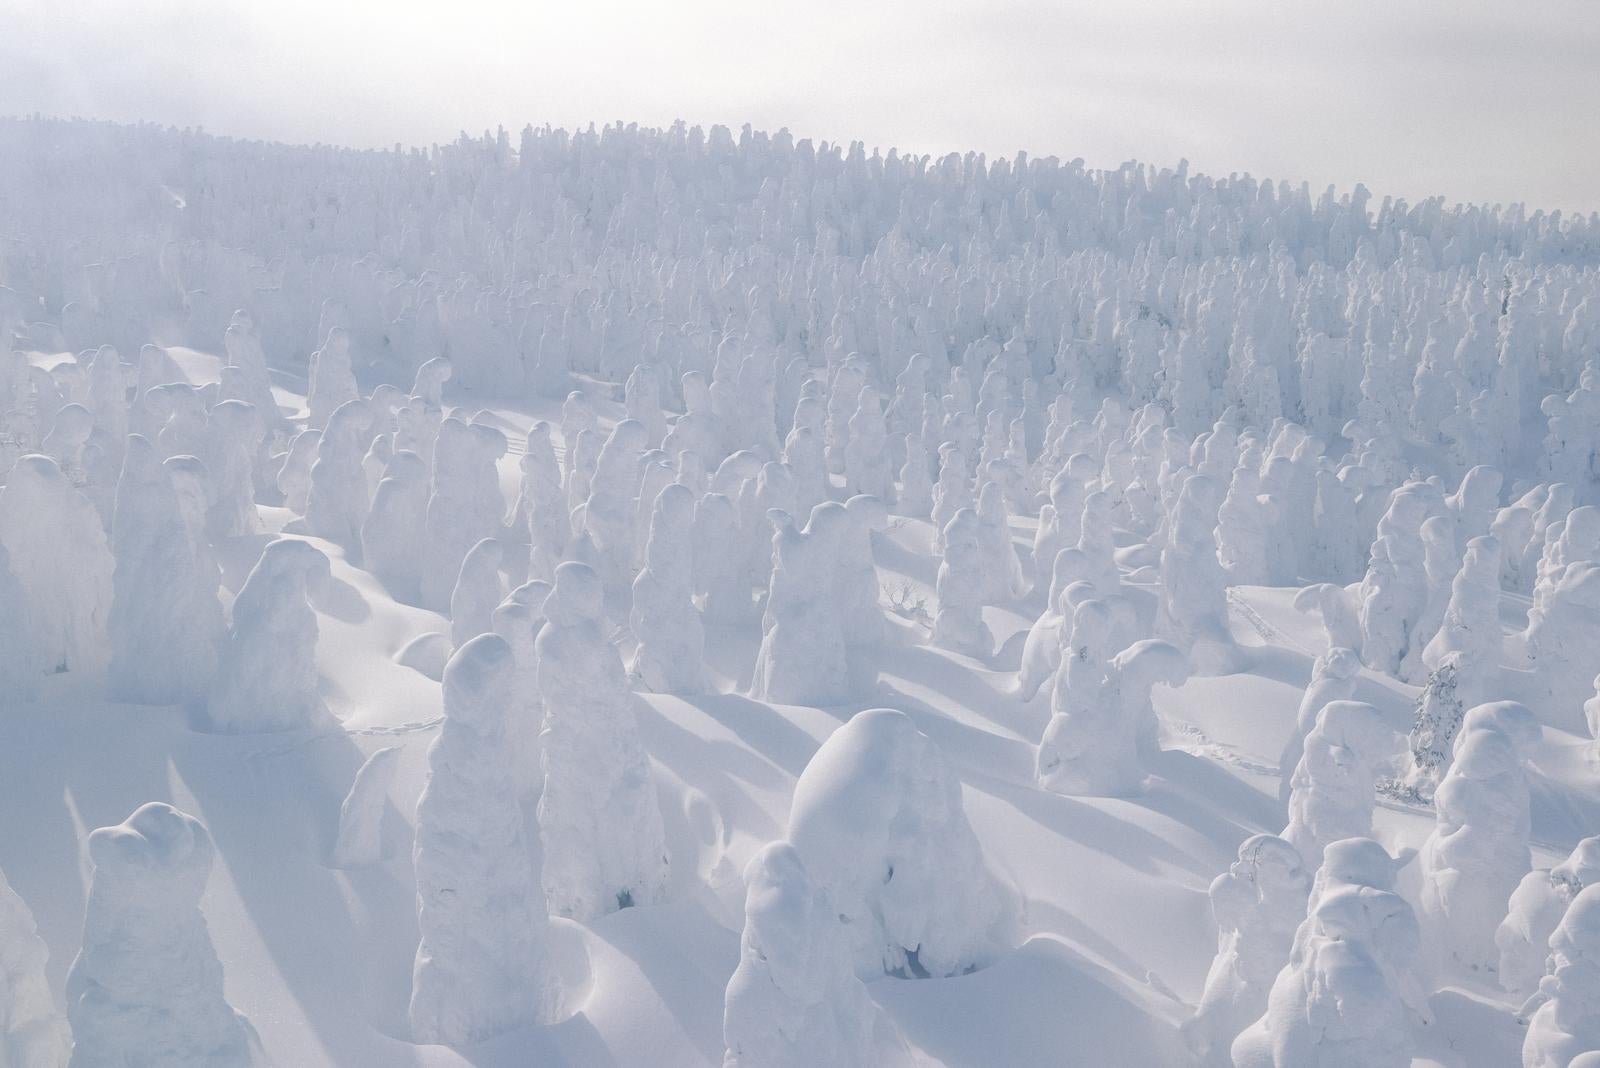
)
(1475, 100)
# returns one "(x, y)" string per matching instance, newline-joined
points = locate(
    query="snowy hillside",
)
(677, 597)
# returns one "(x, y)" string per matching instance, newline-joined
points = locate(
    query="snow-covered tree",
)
(1003, 579)
(146, 988)
(958, 622)
(1567, 1025)
(360, 839)
(33, 1033)
(392, 536)
(1257, 905)
(481, 967)
(544, 505)
(336, 502)
(598, 816)
(1193, 607)
(609, 513)
(464, 506)
(1333, 678)
(332, 380)
(671, 653)
(794, 1000)
(1332, 791)
(1534, 911)
(1099, 736)
(235, 440)
(719, 575)
(166, 622)
(1563, 633)
(878, 820)
(480, 588)
(802, 654)
(58, 553)
(856, 576)
(1478, 851)
(1338, 1001)
(266, 677)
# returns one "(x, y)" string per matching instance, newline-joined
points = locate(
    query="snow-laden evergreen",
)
(794, 1001)
(146, 987)
(481, 968)
(599, 818)
(879, 823)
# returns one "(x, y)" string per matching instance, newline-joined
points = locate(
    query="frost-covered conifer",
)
(548, 518)
(878, 820)
(958, 623)
(641, 399)
(1394, 592)
(1333, 678)
(1441, 565)
(914, 495)
(464, 506)
(266, 678)
(21, 660)
(609, 513)
(1478, 851)
(294, 474)
(478, 592)
(856, 576)
(393, 532)
(336, 502)
(1060, 526)
(952, 492)
(360, 840)
(671, 652)
(1332, 789)
(1533, 913)
(1563, 633)
(1471, 626)
(1340, 624)
(794, 1000)
(598, 816)
(1567, 1025)
(1245, 524)
(867, 462)
(718, 569)
(146, 988)
(332, 378)
(1002, 569)
(59, 555)
(242, 343)
(33, 1033)
(802, 655)
(481, 967)
(1193, 607)
(1257, 904)
(235, 437)
(1101, 729)
(1339, 1000)
(166, 622)
(803, 452)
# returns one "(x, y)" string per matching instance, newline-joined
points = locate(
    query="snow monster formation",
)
(604, 848)
(481, 966)
(146, 988)
(794, 1000)
(879, 822)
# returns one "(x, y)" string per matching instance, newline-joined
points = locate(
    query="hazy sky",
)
(1476, 100)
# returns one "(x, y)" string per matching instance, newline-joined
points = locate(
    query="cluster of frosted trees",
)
(763, 350)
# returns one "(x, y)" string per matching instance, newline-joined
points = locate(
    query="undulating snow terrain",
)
(676, 597)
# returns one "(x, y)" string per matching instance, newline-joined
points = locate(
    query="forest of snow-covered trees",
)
(685, 597)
